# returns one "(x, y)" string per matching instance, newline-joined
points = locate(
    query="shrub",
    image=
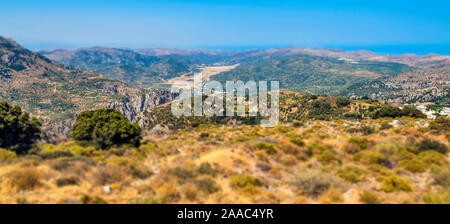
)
(7, 156)
(136, 169)
(207, 169)
(441, 176)
(25, 178)
(182, 173)
(352, 173)
(105, 128)
(109, 173)
(297, 124)
(315, 183)
(87, 199)
(385, 126)
(395, 183)
(326, 157)
(428, 144)
(17, 130)
(342, 101)
(269, 148)
(332, 196)
(441, 124)
(413, 165)
(65, 181)
(367, 129)
(371, 157)
(431, 157)
(207, 185)
(393, 112)
(246, 182)
(149, 200)
(369, 197)
(297, 140)
(440, 198)
(363, 143)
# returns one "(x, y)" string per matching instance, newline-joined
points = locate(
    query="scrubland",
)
(370, 161)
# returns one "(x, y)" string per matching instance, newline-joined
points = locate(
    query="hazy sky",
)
(226, 23)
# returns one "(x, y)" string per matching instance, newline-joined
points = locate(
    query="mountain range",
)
(56, 85)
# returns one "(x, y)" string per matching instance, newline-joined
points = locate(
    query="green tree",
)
(17, 130)
(342, 101)
(393, 112)
(105, 128)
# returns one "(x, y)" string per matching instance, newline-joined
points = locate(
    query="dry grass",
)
(315, 162)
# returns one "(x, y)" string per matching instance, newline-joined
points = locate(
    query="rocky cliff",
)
(133, 107)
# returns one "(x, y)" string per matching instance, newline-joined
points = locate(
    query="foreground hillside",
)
(51, 91)
(373, 161)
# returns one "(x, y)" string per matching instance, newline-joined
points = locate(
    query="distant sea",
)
(420, 49)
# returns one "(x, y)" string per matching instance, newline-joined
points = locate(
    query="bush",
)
(105, 128)
(207, 185)
(395, 183)
(363, 143)
(371, 157)
(332, 196)
(352, 173)
(17, 130)
(149, 200)
(367, 129)
(413, 165)
(441, 176)
(269, 148)
(87, 199)
(65, 181)
(182, 173)
(109, 173)
(369, 197)
(428, 144)
(393, 112)
(207, 169)
(326, 157)
(342, 101)
(441, 124)
(442, 198)
(7, 156)
(315, 183)
(247, 183)
(431, 157)
(297, 140)
(25, 178)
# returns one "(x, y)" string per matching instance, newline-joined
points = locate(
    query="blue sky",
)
(227, 24)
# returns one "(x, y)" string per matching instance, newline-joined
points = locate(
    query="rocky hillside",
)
(294, 106)
(125, 65)
(50, 91)
(134, 107)
(427, 85)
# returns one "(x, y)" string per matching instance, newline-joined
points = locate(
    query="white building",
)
(445, 111)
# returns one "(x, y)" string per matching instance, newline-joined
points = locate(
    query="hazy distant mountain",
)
(51, 91)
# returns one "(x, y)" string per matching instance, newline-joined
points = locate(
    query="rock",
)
(107, 189)
(160, 130)
(395, 123)
(133, 107)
